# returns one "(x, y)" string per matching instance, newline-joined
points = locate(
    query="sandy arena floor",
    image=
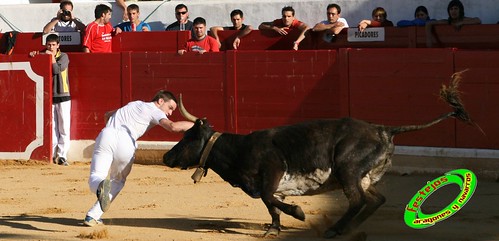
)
(49, 202)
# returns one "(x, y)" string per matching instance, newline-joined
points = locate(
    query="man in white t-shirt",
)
(65, 21)
(115, 146)
(334, 23)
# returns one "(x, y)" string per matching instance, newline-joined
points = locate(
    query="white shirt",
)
(341, 20)
(61, 26)
(136, 117)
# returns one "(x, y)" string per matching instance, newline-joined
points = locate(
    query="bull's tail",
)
(450, 95)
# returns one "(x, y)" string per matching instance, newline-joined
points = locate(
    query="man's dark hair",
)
(52, 38)
(379, 10)
(133, 7)
(199, 20)
(101, 9)
(64, 3)
(165, 95)
(334, 5)
(180, 6)
(459, 4)
(288, 9)
(236, 12)
(421, 9)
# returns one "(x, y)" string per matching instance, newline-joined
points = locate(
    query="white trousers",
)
(114, 155)
(61, 124)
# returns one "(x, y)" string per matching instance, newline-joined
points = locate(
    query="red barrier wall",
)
(242, 91)
(25, 107)
(200, 78)
(27, 42)
(290, 88)
(166, 41)
(468, 37)
(480, 94)
(96, 87)
(394, 38)
(263, 40)
(402, 90)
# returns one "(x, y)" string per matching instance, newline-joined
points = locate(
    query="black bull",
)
(304, 159)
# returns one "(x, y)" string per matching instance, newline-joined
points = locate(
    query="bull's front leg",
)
(275, 205)
(275, 226)
(270, 183)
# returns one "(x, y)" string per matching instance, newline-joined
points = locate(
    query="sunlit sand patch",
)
(96, 234)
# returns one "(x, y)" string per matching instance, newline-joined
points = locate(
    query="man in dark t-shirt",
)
(183, 22)
(237, 18)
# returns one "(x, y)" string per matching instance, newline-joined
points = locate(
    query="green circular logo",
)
(413, 216)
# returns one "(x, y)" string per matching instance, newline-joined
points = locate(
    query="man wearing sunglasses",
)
(183, 22)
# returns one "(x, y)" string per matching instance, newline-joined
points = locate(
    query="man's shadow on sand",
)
(193, 224)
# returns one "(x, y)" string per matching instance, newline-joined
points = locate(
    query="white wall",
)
(32, 17)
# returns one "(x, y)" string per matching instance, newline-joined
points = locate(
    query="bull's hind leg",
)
(374, 199)
(354, 194)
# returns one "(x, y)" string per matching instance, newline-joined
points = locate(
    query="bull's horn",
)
(184, 112)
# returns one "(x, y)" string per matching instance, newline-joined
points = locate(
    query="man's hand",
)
(364, 24)
(236, 43)
(281, 31)
(59, 14)
(33, 53)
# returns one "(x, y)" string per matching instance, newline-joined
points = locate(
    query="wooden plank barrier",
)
(468, 37)
(263, 40)
(243, 91)
(166, 41)
(25, 107)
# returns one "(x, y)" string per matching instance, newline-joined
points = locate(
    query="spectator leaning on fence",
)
(421, 16)
(379, 19)
(455, 10)
(286, 23)
(335, 23)
(237, 18)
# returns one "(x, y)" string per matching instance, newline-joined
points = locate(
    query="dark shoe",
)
(62, 161)
(89, 221)
(103, 194)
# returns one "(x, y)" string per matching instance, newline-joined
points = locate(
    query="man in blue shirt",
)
(134, 24)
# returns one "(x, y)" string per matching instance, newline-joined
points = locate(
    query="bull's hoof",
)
(299, 214)
(331, 233)
(271, 232)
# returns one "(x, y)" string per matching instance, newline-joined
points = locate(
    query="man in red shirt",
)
(200, 42)
(98, 34)
(287, 23)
